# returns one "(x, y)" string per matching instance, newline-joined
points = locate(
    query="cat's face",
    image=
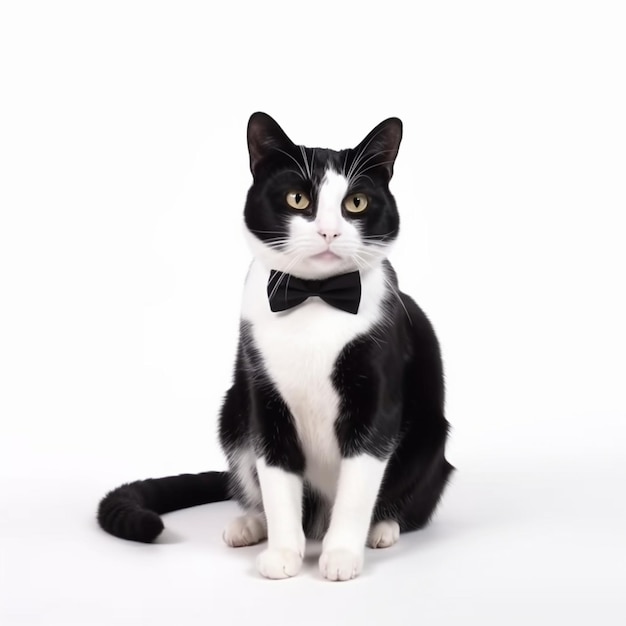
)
(313, 212)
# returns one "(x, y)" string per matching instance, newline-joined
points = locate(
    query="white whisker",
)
(303, 174)
(306, 161)
(267, 232)
(394, 291)
(355, 163)
(357, 258)
(345, 162)
(353, 181)
(371, 167)
(283, 273)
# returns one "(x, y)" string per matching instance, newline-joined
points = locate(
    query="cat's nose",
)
(328, 233)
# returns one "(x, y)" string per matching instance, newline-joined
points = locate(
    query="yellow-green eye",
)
(356, 203)
(298, 200)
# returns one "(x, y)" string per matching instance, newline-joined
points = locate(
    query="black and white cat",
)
(334, 426)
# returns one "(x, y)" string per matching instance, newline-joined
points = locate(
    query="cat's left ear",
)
(382, 144)
(264, 136)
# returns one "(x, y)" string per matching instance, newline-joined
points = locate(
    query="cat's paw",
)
(383, 534)
(341, 564)
(245, 531)
(279, 563)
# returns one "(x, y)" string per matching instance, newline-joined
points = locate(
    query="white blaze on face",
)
(329, 221)
(308, 239)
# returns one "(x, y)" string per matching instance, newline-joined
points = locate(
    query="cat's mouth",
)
(327, 255)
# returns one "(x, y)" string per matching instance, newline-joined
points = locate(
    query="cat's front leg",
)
(343, 547)
(282, 502)
(280, 470)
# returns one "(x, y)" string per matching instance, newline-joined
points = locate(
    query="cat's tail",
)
(132, 510)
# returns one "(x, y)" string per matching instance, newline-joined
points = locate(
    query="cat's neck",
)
(375, 286)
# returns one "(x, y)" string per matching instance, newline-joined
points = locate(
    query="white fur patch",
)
(341, 564)
(245, 530)
(359, 482)
(282, 500)
(310, 238)
(343, 546)
(242, 463)
(383, 534)
(279, 563)
(328, 219)
(299, 349)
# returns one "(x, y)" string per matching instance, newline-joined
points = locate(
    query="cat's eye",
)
(298, 200)
(355, 203)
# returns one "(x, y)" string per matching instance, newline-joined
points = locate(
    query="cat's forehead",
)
(318, 161)
(315, 165)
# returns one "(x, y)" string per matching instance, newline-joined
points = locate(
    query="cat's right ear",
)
(264, 136)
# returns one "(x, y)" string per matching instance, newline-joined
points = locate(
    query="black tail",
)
(132, 510)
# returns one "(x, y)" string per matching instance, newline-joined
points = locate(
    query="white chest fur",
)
(299, 349)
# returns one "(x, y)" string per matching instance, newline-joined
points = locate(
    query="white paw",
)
(279, 563)
(341, 564)
(245, 531)
(383, 534)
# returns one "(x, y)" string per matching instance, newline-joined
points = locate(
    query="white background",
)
(123, 172)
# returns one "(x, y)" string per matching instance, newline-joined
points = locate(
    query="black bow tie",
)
(286, 291)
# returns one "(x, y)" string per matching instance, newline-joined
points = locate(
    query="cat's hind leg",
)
(246, 530)
(383, 534)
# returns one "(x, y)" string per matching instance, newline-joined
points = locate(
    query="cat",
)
(334, 426)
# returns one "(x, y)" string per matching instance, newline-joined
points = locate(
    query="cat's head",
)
(314, 212)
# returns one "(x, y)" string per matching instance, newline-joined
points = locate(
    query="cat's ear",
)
(264, 136)
(381, 145)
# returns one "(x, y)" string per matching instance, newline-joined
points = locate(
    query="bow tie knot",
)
(343, 292)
